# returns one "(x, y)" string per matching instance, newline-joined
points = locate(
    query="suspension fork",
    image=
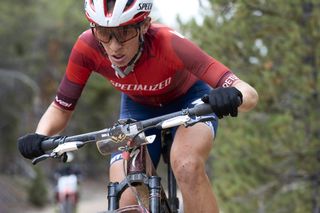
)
(140, 171)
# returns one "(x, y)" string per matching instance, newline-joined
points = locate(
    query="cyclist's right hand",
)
(30, 145)
(224, 101)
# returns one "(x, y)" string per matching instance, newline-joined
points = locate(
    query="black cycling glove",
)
(30, 145)
(224, 101)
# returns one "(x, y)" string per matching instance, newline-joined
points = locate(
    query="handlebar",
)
(198, 110)
(122, 135)
(53, 142)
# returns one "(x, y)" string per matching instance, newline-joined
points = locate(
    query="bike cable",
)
(143, 130)
(125, 161)
(133, 190)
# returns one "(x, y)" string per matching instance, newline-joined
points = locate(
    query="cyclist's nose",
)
(114, 44)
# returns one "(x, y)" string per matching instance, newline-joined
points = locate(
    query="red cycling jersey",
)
(169, 65)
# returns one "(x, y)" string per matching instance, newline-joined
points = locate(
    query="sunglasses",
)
(121, 34)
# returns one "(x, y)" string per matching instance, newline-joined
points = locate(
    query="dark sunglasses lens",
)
(125, 34)
(102, 34)
(122, 34)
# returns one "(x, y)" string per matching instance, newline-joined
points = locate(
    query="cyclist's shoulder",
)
(160, 32)
(86, 40)
(86, 46)
(159, 39)
(86, 35)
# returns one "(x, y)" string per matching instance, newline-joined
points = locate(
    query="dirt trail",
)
(93, 199)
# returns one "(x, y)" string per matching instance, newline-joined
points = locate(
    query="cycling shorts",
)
(131, 109)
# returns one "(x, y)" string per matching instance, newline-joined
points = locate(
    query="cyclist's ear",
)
(145, 26)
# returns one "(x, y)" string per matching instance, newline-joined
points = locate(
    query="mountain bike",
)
(128, 136)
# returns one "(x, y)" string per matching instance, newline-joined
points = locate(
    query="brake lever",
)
(59, 151)
(67, 147)
(193, 121)
(41, 158)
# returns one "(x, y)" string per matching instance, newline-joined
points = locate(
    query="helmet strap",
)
(130, 67)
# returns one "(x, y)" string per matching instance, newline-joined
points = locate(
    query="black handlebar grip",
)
(50, 144)
(201, 109)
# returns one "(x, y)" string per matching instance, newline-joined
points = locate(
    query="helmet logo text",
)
(145, 6)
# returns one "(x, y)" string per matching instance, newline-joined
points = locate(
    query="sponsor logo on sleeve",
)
(63, 103)
(229, 81)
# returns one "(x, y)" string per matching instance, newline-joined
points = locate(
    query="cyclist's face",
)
(120, 43)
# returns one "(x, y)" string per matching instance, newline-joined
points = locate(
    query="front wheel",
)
(132, 208)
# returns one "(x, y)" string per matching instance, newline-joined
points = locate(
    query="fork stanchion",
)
(155, 194)
(113, 203)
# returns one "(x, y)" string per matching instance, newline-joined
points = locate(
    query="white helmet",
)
(119, 13)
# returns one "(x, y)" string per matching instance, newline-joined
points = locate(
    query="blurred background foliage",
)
(267, 160)
(263, 161)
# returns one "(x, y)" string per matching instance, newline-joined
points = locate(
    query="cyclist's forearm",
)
(250, 95)
(53, 121)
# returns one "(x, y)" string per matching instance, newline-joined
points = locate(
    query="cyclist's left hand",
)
(224, 101)
(30, 145)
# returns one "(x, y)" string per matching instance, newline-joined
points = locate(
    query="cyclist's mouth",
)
(118, 59)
